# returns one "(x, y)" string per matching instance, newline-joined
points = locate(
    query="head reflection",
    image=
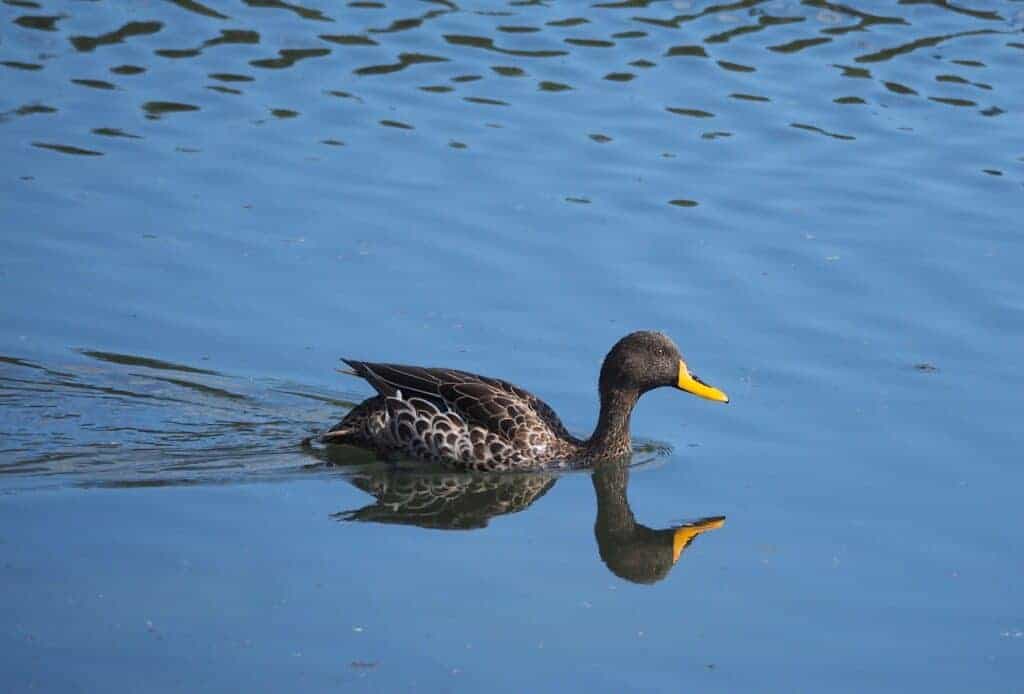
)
(630, 550)
(465, 501)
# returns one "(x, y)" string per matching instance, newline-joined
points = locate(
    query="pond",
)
(207, 203)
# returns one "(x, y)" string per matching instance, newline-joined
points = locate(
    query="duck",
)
(476, 423)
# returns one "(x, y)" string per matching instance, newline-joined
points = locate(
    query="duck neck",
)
(614, 516)
(611, 435)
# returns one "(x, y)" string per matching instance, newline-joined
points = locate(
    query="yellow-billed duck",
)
(479, 423)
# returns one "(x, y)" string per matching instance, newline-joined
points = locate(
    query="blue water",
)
(205, 204)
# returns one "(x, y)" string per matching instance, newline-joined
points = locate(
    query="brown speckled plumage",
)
(477, 423)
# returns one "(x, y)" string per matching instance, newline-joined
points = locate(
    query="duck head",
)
(645, 360)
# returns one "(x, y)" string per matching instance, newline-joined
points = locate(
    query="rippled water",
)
(205, 204)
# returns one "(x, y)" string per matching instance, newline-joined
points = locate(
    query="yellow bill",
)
(692, 384)
(684, 535)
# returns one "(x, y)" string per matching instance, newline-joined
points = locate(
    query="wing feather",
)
(496, 405)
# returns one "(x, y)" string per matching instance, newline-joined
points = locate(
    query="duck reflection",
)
(464, 501)
(444, 501)
(630, 550)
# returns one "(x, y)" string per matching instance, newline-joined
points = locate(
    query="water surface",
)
(206, 204)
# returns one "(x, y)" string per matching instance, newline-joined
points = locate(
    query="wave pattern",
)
(103, 418)
(441, 67)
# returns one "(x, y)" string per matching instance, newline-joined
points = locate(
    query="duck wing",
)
(495, 405)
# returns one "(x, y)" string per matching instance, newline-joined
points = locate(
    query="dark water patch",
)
(333, 143)
(578, 200)
(127, 70)
(820, 131)
(224, 90)
(854, 72)
(599, 138)
(748, 97)
(233, 37)
(642, 63)
(951, 101)
(148, 362)
(177, 53)
(897, 88)
(28, 364)
(690, 51)
(989, 15)
(992, 172)
(230, 77)
(484, 101)
(18, 65)
(349, 39)
(630, 35)
(29, 110)
(508, 29)
(156, 109)
(690, 112)
(299, 10)
(487, 44)
(903, 49)
(438, 88)
(508, 71)
(68, 149)
(39, 22)
(114, 132)
(396, 124)
(619, 76)
(86, 44)
(763, 22)
(568, 22)
(199, 9)
(455, 144)
(288, 57)
(715, 134)
(590, 43)
(682, 202)
(549, 86)
(799, 45)
(467, 78)
(846, 100)
(404, 60)
(836, 13)
(969, 63)
(992, 111)
(735, 67)
(200, 387)
(344, 95)
(284, 113)
(400, 25)
(94, 84)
